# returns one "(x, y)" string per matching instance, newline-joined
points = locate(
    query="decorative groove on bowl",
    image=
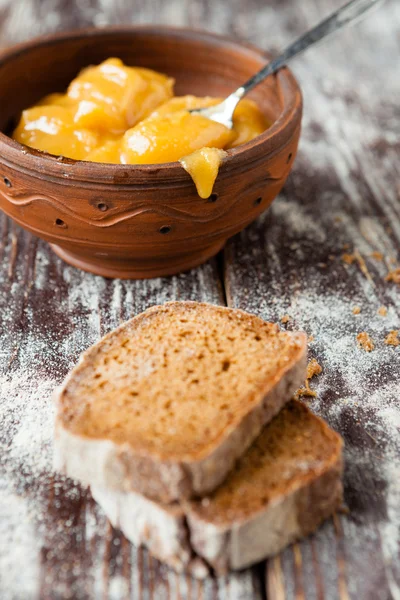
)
(142, 220)
(162, 210)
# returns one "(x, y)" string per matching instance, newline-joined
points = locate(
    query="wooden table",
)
(342, 197)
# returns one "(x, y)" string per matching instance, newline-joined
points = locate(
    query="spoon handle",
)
(344, 15)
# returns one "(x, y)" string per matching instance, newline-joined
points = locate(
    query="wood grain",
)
(341, 197)
(343, 191)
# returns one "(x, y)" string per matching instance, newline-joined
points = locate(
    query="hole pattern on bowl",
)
(258, 201)
(60, 223)
(289, 158)
(142, 198)
(102, 206)
(212, 198)
(7, 182)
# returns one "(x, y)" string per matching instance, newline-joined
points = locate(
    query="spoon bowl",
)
(349, 13)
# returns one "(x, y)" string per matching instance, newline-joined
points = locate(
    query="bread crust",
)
(185, 539)
(269, 531)
(103, 463)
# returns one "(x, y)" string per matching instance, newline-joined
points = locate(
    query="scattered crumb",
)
(285, 319)
(338, 219)
(377, 255)
(356, 310)
(392, 338)
(362, 265)
(392, 260)
(393, 276)
(322, 265)
(382, 310)
(331, 257)
(346, 246)
(305, 391)
(348, 258)
(365, 342)
(313, 368)
(311, 338)
(356, 256)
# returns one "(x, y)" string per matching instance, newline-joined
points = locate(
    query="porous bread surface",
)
(172, 381)
(290, 452)
(282, 489)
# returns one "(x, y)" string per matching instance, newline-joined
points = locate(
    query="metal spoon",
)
(223, 112)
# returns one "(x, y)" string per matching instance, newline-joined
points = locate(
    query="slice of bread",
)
(165, 404)
(281, 489)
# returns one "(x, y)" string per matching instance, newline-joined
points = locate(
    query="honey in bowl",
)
(112, 113)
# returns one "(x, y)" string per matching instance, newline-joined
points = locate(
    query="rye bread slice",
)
(282, 488)
(165, 404)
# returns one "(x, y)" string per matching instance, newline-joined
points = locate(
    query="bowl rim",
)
(48, 165)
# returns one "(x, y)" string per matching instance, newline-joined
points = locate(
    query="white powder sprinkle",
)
(27, 416)
(46, 353)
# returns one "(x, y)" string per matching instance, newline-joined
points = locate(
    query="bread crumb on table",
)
(362, 265)
(382, 310)
(348, 258)
(285, 319)
(305, 391)
(393, 276)
(313, 368)
(356, 310)
(377, 255)
(365, 342)
(356, 256)
(392, 338)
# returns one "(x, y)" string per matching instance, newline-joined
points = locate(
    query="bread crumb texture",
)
(313, 368)
(348, 258)
(285, 319)
(377, 256)
(356, 257)
(392, 338)
(356, 310)
(293, 443)
(365, 342)
(171, 381)
(394, 276)
(382, 311)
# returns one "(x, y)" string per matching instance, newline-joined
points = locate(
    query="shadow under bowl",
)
(140, 221)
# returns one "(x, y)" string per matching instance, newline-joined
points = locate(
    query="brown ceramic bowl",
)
(137, 221)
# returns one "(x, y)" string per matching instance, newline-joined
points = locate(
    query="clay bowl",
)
(141, 221)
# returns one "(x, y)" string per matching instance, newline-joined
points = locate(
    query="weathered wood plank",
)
(49, 313)
(54, 313)
(53, 535)
(342, 196)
